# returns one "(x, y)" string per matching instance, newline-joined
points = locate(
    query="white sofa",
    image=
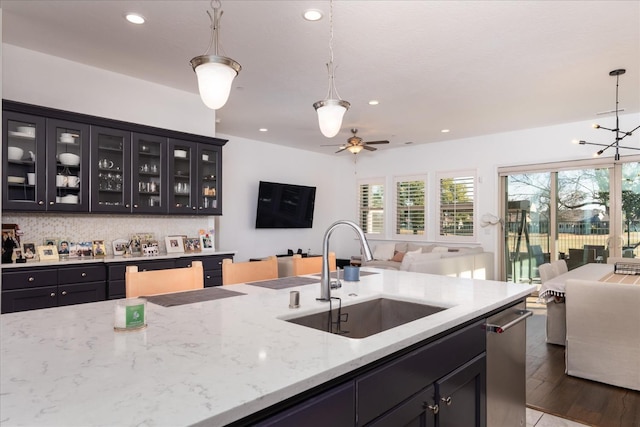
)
(433, 259)
(603, 332)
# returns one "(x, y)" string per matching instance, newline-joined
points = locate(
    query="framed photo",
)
(17, 254)
(48, 253)
(174, 244)
(120, 246)
(50, 241)
(63, 247)
(29, 251)
(98, 248)
(150, 248)
(192, 245)
(206, 242)
(80, 249)
(138, 239)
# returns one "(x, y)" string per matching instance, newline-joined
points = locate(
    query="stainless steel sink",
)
(367, 318)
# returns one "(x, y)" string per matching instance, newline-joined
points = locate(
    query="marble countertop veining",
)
(216, 361)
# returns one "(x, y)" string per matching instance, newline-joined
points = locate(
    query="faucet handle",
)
(337, 284)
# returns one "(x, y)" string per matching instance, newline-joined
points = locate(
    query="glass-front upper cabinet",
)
(110, 170)
(149, 174)
(24, 154)
(68, 166)
(208, 170)
(182, 177)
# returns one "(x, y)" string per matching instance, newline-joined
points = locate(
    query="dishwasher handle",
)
(497, 329)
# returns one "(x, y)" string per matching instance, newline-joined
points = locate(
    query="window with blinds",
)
(372, 207)
(410, 206)
(457, 204)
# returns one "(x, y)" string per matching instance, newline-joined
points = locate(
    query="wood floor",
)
(550, 390)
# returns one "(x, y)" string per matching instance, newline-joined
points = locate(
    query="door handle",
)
(497, 329)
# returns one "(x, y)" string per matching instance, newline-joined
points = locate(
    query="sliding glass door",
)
(582, 212)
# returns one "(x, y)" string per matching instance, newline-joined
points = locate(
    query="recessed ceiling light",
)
(135, 18)
(263, 129)
(312, 15)
(445, 131)
(374, 102)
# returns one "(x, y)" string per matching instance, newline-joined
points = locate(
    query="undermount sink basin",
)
(367, 318)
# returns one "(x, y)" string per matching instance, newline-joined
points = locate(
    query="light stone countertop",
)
(214, 361)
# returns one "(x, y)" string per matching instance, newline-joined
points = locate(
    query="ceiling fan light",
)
(330, 114)
(355, 149)
(215, 76)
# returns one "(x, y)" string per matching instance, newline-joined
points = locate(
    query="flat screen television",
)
(285, 205)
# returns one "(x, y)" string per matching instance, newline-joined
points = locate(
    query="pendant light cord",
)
(216, 5)
(330, 67)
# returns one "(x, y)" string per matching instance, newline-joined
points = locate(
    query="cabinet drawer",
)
(212, 278)
(386, 387)
(82, 274)
(29, 299)
(81, 292)
(29, 278)
(116, 289)
(154, 265)
(212, 262)
(116, 272)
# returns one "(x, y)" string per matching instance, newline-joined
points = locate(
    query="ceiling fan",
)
(355, 144)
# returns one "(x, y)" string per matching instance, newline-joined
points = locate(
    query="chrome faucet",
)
(325, 280)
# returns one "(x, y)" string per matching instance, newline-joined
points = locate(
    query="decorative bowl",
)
(15, 179)
(15, 153)
(69, 159)
(180, 153)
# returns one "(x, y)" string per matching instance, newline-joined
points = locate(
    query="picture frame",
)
(63, 247)
(120, 246)
(98, 248)
(50, 241)
(192, 245)
(174, 244)
(80, 249)
(17, 254)
(206, 243)
(29, 251)
(150, 248)
(138, 239)
(48, 253)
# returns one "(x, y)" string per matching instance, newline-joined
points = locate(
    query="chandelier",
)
(619, 135)
(215, 73)
(331, 109)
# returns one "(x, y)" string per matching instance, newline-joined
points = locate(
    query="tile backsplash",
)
(36, 227)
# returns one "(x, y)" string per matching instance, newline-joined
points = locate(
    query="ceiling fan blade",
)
(341, 150)
(369, 148)
(376, 142)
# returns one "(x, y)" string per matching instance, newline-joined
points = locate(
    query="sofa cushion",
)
(398, 256)
(424, 248)
(416, 257)
(384, 251)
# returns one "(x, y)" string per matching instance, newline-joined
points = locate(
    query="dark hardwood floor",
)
(550, 390)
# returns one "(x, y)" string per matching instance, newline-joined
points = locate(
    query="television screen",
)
(285, 205)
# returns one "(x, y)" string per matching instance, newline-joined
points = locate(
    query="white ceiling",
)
(475, 67)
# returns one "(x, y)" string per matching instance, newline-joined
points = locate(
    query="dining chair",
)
(546, 271)
(560, 266)
(311, 265)
(250, 271)
(155, 282)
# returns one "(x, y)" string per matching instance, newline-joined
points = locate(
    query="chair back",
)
(141, 283)
(546, 271)
(560, 266)
(311, 265)
(250, 271)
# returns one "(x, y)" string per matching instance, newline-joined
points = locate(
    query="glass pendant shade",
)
(215, 76)
(355, 149)
(330, 114)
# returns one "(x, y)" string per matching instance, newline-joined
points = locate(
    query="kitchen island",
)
(213, 362)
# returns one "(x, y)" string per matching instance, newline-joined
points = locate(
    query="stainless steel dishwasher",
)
(506, 367)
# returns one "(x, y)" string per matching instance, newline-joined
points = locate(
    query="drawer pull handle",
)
(53, 294)
(208, 276)
(31, 279)
(434, 408)
(64, 292)
(41, 202)
(51, 203)
(84, 274)
(446, 400)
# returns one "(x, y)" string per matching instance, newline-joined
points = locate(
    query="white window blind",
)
(410, 206)
(457, 204)
(372, 207)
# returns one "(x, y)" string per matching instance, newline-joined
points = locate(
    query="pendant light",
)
(331, 110)
(215, 73)
(620, 135)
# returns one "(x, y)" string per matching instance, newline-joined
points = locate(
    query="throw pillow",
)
(440, 249)
(384, 251)
(398, 256)
(419, 258)
(408, 258)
